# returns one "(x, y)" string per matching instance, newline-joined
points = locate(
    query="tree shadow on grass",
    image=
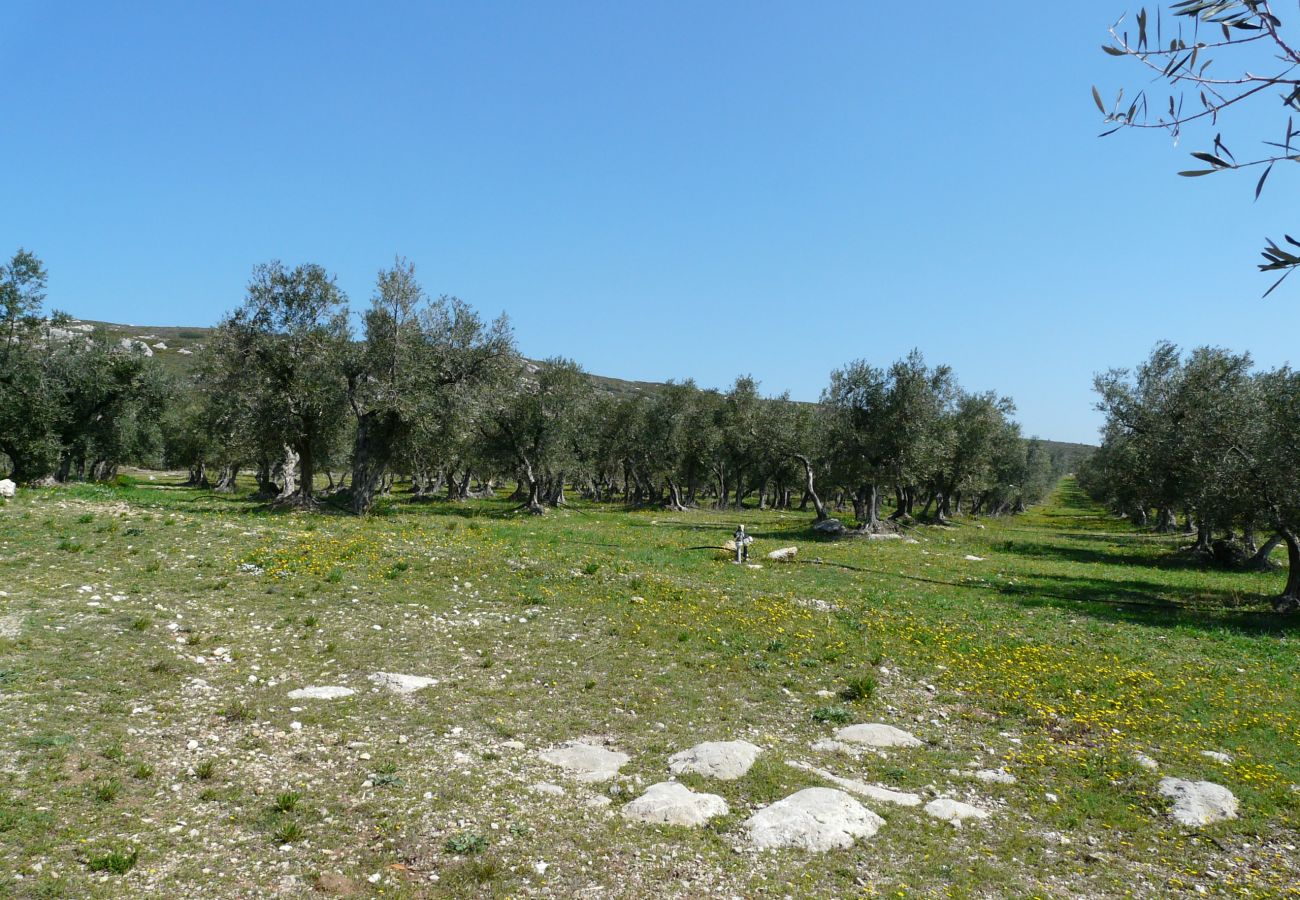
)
(1115, 556)
(1124, 600)
(1140, 602)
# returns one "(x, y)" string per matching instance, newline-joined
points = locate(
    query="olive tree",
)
(291, 338)
(1222, 60)
(27, 405)
(415, 374)
(533, 430)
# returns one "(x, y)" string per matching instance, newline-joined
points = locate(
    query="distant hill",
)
(178, 347)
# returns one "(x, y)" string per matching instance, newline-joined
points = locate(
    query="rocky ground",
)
(208, 699)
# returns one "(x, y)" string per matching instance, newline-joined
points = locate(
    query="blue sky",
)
(661, 190)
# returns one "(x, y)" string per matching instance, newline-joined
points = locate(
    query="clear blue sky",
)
(658, 190)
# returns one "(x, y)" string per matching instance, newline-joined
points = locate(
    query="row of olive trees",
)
(288, 391)
(73, 404)
(1205, 436)
(432, 392)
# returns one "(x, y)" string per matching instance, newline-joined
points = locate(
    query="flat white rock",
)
(328, 692)
(1199, 803)
(954, 811)
(996, 776)
(725, 760)
(402, 684)
(1145, 762)
(1217, 756)
(784, 553)
(671, 803)
(861, 788)
(876, 734)
(586, 762)
(814, 819)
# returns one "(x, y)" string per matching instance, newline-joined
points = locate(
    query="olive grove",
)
(419, 395)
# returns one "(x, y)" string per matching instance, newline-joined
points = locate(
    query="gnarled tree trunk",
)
(810, 489)
(1289, 601)
(866, 506)
(534, 502)
(226, 479)
(292, 471)
(674, 500)
(1261, 561)
(266, 486)
(376, 434)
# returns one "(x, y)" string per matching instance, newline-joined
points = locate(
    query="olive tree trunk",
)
(371, 448)
(810, 490)
(1261, 561)
(226, 479)
(1289, 601)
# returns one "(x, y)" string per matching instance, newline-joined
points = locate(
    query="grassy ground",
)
(149, 636)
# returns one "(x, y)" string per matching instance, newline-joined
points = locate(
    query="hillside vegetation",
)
(184, 346)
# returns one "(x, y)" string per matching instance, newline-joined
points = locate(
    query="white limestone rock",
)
(876, 734)
(954, 811)
(402, 684)
(134, 346)
(826, 745)
(586, 762)
(326, 692)
(785, 553)
(814, 819)
(995, 776)
(861, 788)
(8, 489)
(724, 760)
(671, 803)
(1145, 762)
(1198, 803)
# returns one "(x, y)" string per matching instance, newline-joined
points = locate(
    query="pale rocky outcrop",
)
(671, 803)
(814, 819)
(1198, 803)
(876, 734)
(725, 760)
(586, 762)
(325, 692)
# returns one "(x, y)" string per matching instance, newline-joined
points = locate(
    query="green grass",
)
(1073, 644)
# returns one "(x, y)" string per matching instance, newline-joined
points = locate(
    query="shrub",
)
(835, 715)
(288, 833)
(858, 688)
(467, 843)
(114, 862)
(107, 791)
